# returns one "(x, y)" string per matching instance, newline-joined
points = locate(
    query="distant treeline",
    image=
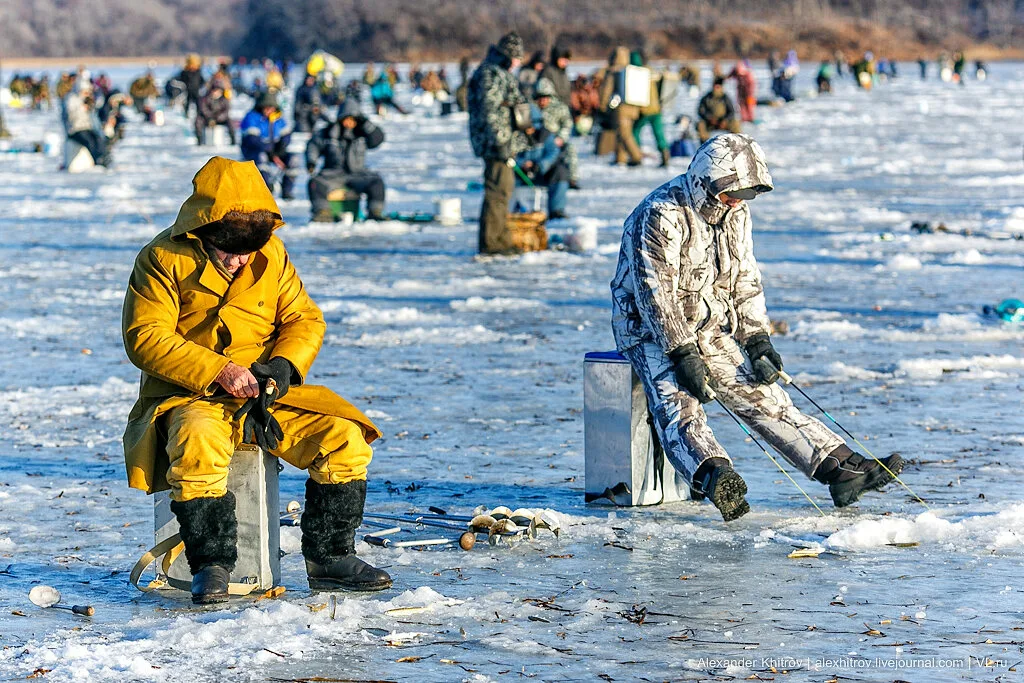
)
(433, 29)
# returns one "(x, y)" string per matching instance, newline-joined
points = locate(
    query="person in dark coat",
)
(212, 111)
(555, 72)
(308, 107)
(341, 148)
(716, 112)
(193, 80)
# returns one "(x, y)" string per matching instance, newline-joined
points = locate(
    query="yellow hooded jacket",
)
(183, 321)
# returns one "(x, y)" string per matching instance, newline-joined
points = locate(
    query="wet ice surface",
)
(473, 368)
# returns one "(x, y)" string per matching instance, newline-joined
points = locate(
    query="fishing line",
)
(789, 380)
(770, 456)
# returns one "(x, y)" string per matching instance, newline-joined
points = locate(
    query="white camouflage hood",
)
(725, 163)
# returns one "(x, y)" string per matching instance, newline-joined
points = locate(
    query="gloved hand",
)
(278, 369)
(692, 372)
(764, 358)
(260, 425)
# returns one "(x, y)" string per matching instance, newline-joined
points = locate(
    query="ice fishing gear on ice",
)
(48, 596)
(500, 524)
(467, 539)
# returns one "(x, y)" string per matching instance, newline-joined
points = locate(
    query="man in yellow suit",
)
(224, 332)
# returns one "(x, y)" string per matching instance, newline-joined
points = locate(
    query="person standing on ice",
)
(492, 96)
(214, 311)
(689, 313)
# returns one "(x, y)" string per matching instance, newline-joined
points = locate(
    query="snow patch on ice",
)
(441, 336)
(968, 257)
(495, 304)
(1002, 530)
(977, 366)
(836, 329)
(390, 316)
(903, 262)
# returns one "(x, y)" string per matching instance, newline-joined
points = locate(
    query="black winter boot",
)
(717, 480)
(209, 531)
(849, 475)
(332, 515)
(666, 157)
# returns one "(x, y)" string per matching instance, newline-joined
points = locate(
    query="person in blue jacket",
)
(265, 138)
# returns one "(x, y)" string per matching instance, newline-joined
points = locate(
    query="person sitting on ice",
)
(716, 112)
(341, 147)
(549, 163)
(214, 109)
(82, 124)
(265, 138)
(214, 311)
(688, 311)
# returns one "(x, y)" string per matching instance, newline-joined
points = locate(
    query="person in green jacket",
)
(651, 114)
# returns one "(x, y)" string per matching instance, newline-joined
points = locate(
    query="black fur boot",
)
(209, 531)
(849, 475)
(332, 515)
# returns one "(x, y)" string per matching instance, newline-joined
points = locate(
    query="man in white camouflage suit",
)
(689, 313)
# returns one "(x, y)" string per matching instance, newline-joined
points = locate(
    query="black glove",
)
(692, 372)
(259, 423)
(764, 358)
(278, 369)
(260, 426)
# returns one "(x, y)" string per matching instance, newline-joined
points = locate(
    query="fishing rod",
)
(786, 379)
(764, 450)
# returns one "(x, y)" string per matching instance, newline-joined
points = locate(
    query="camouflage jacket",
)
(686, 267)
(557, 119)
(492, 92)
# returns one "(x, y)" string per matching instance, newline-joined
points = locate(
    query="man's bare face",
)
(232, 262)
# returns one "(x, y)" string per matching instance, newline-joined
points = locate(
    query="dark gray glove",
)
(692, 372)
(764, 358)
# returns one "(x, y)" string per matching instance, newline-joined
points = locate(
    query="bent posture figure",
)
(215, 311)
(342, 148)
(688, 310)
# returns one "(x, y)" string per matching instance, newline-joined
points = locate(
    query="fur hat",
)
(511, 45)
(238, 232)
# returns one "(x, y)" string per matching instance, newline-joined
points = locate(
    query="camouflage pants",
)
(571, 160)
(682, 424)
